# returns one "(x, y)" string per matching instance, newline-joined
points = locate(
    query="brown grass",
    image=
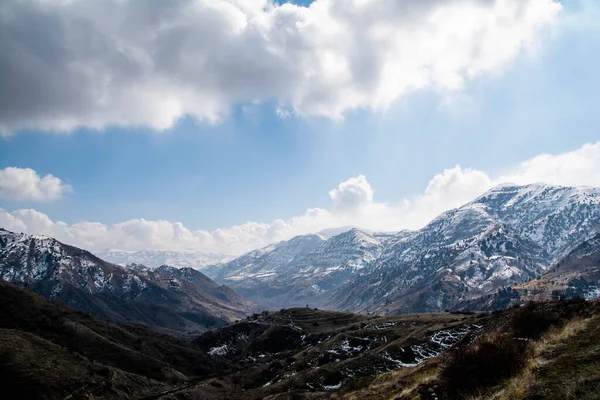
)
(518, 387)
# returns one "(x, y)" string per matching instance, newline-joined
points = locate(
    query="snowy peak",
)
(155, 258)
(301, 269)
(327, 233)
(555, 217)
(525, 204)
(263, 263)
(170, 298)
(508, 235)
(27, 258)
(458, 224)
(351, 249)
(356, 236)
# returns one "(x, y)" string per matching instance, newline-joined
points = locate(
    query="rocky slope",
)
(576, 275)
(313, 352)
(302, 270)
(180, 300)
(509, 235)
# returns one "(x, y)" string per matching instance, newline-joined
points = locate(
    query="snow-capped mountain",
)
(555, 217)
(302, 269)
(510, 234)
(174, 299)
(155, 258)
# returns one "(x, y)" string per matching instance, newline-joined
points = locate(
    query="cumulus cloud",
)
(352, 195)
(98, 63)
(578, 168)
(21, 184)
(353, 203)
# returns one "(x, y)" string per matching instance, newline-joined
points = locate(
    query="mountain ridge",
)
(176, 300)
(508, 235)
(155, 258)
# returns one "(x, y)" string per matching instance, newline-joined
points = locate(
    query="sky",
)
(227, 125)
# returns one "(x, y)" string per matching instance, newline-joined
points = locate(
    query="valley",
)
(50, 351)
(353, 314)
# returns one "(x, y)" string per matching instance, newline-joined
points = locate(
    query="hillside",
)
(302, 270)
(578, 274)
(541, 351)
(174, 300)
(49, 351)
(310, 354)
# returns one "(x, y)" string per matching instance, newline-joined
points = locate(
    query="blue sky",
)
(254, 165)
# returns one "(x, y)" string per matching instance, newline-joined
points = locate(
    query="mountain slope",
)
(49, 351)
(509, 235)
(555, 217)
(302, 270)
(175, 300)
(576, 275)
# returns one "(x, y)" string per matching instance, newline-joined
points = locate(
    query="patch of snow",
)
(219, 350)
(333, 387)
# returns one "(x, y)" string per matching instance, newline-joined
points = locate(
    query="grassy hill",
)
(50, 351)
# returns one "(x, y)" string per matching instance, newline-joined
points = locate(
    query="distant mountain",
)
(155, 258)
(576, 275)
(304, 269)
(171, 299)
(510, 235)
(557, 218)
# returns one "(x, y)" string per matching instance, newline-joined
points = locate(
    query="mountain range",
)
(509, 235)
(169, 299)
(155, 258)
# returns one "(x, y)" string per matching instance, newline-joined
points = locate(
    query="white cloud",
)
(98, 63)
(25, 184)
(578, 168)
(353, 203)
(352, 195)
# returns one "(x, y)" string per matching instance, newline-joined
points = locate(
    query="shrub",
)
(568, 308)
(533, 320)
(482, 365)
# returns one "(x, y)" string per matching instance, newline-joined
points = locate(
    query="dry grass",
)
(410, 391)
(557, 335)
(520, 386)
(399, 384)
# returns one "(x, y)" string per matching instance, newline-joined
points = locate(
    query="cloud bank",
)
(24, 184)
(94, 63)
(353, 203)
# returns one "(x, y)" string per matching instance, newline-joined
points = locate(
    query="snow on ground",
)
(219, 350)
(433, 346)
